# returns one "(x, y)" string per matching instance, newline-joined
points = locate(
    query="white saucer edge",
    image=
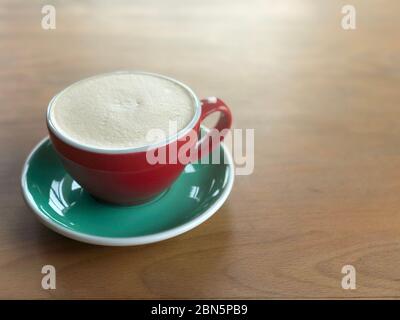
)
(129, 241)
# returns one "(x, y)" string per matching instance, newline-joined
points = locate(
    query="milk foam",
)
(117, 110)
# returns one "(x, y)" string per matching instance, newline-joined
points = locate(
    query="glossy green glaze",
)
(54, 195)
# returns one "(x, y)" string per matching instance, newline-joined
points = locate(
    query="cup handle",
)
(209, 106)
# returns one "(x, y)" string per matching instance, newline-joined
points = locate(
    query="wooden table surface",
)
(324, 103)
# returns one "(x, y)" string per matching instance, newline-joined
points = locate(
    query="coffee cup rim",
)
(181, 133)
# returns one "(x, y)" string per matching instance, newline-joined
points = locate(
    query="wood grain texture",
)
(324, 104)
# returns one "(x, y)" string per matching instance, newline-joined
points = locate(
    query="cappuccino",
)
(116, 111)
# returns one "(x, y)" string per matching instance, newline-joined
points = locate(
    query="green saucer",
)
(62, 205)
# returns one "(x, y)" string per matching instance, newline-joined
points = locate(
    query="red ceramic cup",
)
(125, 176)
